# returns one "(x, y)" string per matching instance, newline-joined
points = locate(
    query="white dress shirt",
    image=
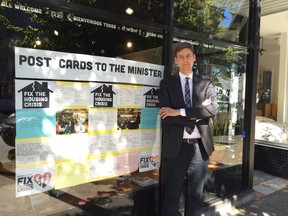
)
(195, 134)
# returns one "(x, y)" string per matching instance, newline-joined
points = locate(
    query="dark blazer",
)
(171, 96)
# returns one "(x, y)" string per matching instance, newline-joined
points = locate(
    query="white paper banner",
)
(43, 64)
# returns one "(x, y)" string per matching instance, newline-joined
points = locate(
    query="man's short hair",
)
(183, 45)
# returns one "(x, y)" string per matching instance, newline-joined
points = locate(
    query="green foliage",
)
(221, 124)
(200, 16)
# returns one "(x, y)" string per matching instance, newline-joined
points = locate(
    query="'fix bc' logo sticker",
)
(42, 180)
(154, 160)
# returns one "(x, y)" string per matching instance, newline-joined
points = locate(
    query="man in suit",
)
(187, 104)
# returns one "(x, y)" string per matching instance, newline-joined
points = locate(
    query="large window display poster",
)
(77, 119)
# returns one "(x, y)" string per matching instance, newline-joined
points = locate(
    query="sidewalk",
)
(270, 198)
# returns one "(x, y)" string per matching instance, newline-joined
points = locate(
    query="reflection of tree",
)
(200, 16)
(225, 65)
(205, 16)
(221, 121)
(61, 32)
(237, 59)
(72, 36)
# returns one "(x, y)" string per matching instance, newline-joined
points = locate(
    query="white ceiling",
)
(274, 17)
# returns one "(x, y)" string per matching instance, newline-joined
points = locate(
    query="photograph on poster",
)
(129, 118)
(70, 121)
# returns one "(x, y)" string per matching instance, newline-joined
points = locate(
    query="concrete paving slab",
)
(259, 177)
(263, 189)
(276, 183)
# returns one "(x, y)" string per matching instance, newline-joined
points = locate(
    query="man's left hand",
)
(167, 111)
(207, 102)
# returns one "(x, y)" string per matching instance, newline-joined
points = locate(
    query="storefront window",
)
(79, 107)
(87, 129)
(222, 19)
(227, 67)
(271, 126)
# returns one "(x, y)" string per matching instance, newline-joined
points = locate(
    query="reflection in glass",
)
(222, 19)
(67, 32)
(148, 10)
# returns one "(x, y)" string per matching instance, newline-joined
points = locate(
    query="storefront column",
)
(282, 112)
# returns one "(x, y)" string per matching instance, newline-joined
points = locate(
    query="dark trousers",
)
(192, 163)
